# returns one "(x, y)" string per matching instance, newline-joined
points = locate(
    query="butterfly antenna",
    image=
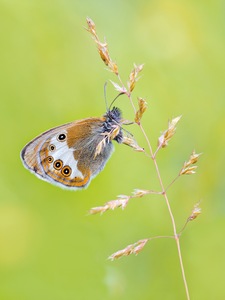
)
(128, 132)
(115, 99)
(106, 103)
(108, 107)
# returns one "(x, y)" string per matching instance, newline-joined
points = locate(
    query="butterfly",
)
(71, 155)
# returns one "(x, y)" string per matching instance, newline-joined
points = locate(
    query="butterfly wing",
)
(65, 156)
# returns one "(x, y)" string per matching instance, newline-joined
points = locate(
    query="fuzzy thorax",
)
(113, 119)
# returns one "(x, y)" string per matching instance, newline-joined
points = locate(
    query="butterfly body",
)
(66, 155)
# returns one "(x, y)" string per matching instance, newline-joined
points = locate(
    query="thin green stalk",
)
(176, 236)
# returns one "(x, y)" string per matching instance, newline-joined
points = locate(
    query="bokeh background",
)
(51, 74)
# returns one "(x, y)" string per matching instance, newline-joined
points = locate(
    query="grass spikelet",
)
(130, 249)
(169, 133)
(133, 77)
(121, 201)
(142, 108)
(188, 167)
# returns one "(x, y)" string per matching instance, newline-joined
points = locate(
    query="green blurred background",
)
(51, 74)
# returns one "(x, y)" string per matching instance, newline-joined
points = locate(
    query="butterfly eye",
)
(61, 137)
(66, 171)
(58, 164)
(51, 147)
(50, 159)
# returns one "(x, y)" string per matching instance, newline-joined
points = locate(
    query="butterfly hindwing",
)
(30, 153)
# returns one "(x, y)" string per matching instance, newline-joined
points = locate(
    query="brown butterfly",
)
(70, 155)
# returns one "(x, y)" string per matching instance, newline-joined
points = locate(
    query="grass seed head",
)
(121, 201)
(130, 249)
(103, 51)
(133, 77)
(142, 108)
(102, 48)
(169, 133)
(100, 147)
(195, 212)
(137, 193)
(91, 27)
(188, 167)
(129, 141)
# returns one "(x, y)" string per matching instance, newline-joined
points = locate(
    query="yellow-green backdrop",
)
(50, 74)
